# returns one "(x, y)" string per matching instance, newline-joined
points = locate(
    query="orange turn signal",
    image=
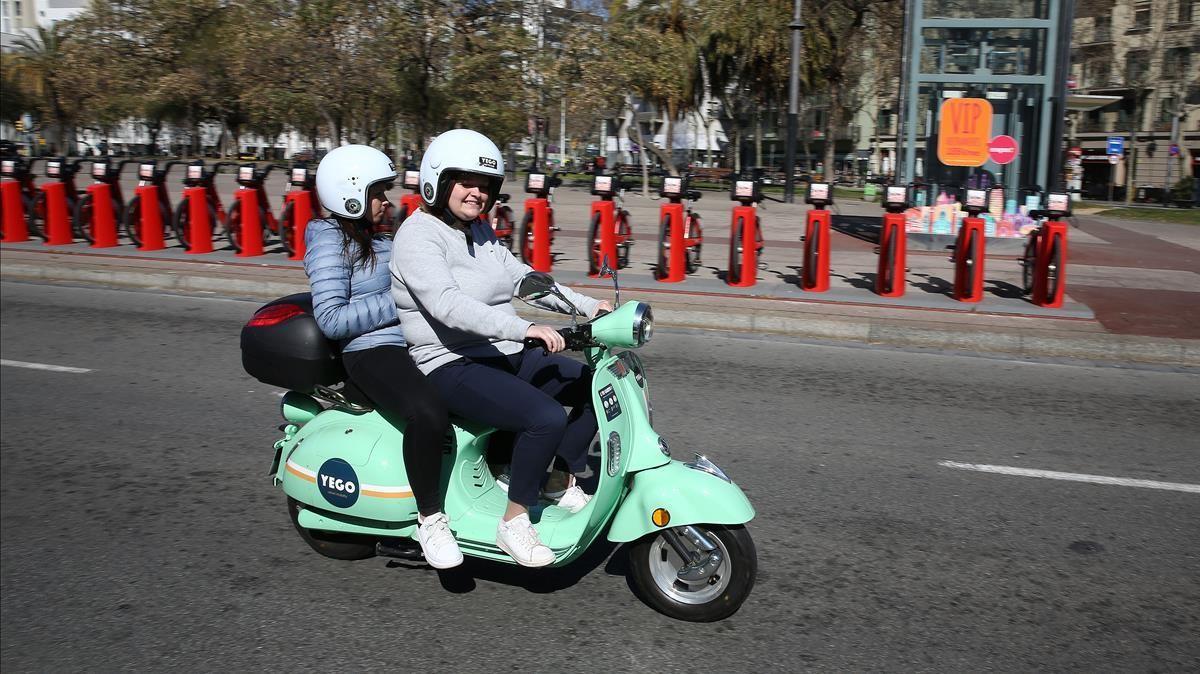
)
(660, 517)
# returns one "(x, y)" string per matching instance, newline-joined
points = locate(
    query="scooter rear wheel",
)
(332, 544)
(654, 566)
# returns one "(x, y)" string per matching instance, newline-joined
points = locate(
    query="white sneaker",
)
(519, 539)
(437, 542)
(574, 499)
(502, 481)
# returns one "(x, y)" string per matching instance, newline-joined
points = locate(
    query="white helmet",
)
(461, 151)
(345, 175)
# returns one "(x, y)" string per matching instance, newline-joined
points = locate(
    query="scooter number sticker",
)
(608, 398)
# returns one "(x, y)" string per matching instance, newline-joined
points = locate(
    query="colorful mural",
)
(1005, 218)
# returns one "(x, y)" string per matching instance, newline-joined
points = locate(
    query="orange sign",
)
(964, 130)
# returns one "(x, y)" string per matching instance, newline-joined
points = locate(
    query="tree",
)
(746, 52)
(835, 34)
(38, 63)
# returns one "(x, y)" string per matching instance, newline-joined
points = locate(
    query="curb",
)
(1034, 341)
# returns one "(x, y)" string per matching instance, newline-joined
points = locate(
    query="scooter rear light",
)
(274, 315)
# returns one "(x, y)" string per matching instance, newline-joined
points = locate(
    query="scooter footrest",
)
(398, 547)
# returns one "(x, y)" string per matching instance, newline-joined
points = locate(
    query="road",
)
(140, 530)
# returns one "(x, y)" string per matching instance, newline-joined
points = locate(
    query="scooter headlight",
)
(643, 326)
(703, 465)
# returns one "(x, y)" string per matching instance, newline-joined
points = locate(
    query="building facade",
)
(1145, 55)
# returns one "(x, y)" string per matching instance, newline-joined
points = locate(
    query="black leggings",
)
(407, 400)
(525, 393)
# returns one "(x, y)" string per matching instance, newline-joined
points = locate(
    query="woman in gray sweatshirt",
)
(347, 265)
(453, 284)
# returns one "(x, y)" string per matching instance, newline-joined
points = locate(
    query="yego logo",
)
(338, 483)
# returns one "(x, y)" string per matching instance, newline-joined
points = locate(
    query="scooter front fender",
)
(690, 496)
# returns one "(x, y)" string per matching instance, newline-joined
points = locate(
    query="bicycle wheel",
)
(233, 226)
(813, 257)
(1028, 262)
(888, 275)
(525, 238)
(626, 234)
(504, 226)
(694, 233)
(1054, 270)
(737, 266)
(84, 227)
(133, 221)
(181, 222)
(287, 228)
(661, 271)
(36, 219)
(594, 248)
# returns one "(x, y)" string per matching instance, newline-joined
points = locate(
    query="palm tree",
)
(38, 64)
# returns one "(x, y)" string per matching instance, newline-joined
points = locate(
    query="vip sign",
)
(964, 131)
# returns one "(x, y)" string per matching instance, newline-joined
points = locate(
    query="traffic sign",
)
(964, 129)
(1116, 145)
(1174, 151)
(1003, 149)
(1114, 159)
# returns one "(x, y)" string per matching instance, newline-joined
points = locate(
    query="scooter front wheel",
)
(701, 589)
(332, 544)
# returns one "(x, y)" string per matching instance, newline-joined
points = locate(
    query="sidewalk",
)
(1133, 288)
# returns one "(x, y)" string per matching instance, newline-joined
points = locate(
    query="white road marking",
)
(1073, 477)
(43, 366)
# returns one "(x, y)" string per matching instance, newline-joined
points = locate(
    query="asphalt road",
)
(140, 530)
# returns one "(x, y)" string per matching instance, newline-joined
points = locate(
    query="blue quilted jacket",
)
(353, 307)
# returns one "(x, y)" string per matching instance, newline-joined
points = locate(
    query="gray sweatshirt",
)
(455, 298)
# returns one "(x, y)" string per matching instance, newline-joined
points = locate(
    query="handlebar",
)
(577, 338)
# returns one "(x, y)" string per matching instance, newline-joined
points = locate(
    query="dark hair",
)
(360, 232)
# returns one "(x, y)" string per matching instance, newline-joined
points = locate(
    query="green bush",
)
(1182, 191)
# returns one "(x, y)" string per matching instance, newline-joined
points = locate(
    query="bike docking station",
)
(411, 202)
(58, 210)
(893, 243)
(151, 211)
(300, 200)
(743, 227)
(672, 242)
(1050, 252)
(602, 235)
(251, 224)
(195, 195)
(538, 223)
(969, 248)
(814, 271)
(104, 200)
(12, 200)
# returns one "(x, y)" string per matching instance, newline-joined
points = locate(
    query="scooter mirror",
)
(535, 285)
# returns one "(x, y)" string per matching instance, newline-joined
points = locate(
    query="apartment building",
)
(1144, 55)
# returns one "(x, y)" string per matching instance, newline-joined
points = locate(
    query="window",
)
(1136, 67)
(1177, 63)
(1102, 31)
(1166, 109)
(1097, 73)
(1141, 17)
(1185, 11)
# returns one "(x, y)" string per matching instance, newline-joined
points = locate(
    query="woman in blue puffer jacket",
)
(347, 265)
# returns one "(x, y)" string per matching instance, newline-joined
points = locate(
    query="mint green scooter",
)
(341, 467)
